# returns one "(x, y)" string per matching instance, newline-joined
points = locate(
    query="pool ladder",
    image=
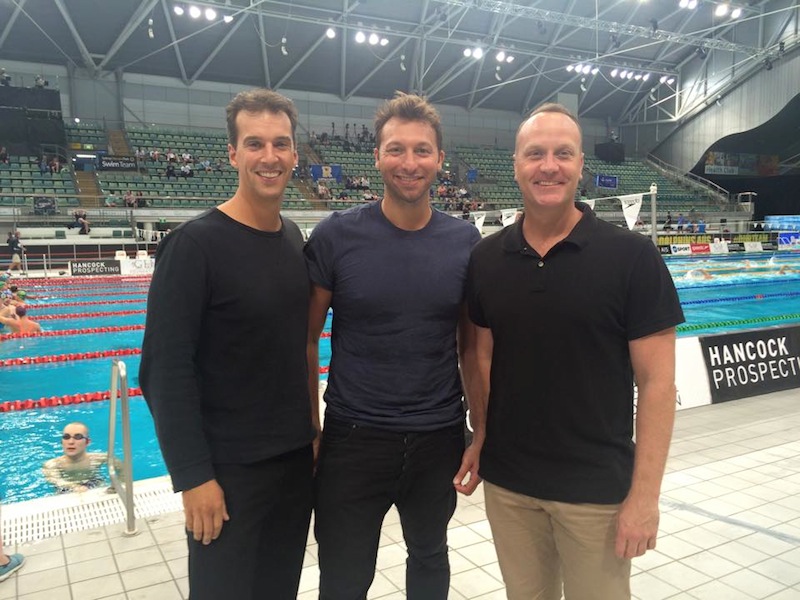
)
(123, 485)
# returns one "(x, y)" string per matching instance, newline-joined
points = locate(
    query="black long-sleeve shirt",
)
(223, 365)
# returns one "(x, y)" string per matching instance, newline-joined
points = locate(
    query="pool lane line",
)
(36, 305)
(60, 332)
(95, 315)
(715, 324)
(111, 291)
(741, 298)
(57, 358)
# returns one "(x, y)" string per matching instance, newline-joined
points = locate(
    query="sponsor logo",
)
(94, 267)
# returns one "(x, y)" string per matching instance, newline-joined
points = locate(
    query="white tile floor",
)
(730, 528)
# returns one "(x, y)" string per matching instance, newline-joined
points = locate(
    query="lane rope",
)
(38, 305)
(95, 315)
(62, 332)
(698, 326)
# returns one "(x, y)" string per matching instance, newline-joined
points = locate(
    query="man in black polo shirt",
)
(570, 310)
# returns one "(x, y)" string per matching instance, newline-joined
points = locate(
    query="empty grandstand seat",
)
(120, 255)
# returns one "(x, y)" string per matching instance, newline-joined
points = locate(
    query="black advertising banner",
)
(94, 267)
(735, 246)
(751, 363)
(665, 249)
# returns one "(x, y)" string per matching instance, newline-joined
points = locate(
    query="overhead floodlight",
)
(721, 10)
(595, 70)
(330, 33)
(671, 80)
(384, 42)
(77, 120)
(402, 62)
(638, 77)
(579, 68)
(683, 3)
(228, 18)
(467, 52)
(614, 72)
(211, 14)
(284, 51)
(373, 39)
(195, 12)
(623, 75)
(497, 73)
(361, 37)
(570, 68)
(630, 75)
(583, 86)
(692, 4)
(510, 58)
(500, 56)
(477, 54)
(662, 79)
(178, 10)
(736, 13)
(646, 76)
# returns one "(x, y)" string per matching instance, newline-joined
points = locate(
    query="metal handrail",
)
(124, 485)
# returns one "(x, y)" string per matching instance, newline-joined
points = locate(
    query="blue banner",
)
(326, 172)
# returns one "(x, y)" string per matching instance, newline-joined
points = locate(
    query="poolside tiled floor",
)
(730, 528)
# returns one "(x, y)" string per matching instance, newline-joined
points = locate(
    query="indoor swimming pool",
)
(106, 316)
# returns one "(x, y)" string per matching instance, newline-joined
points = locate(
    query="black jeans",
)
(259, 553)
(362, 471)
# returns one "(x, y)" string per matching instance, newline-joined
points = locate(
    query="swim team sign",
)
(750, 363)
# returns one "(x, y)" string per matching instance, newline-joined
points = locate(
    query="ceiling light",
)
(721, 10)
(178, 10)
(284, 51)
(330, 33)
(510, 58)
(211, 14)
(614, 72)
(623, 75)
(500, 56)
(583, 87)
(402, 62)
(467, 52)
(671, 80)
(360, 37)
(587, 69)
(692, 4)
(569, 68)
(683, 3)
(228, 18)
(638, 76)
(579, 68)
(630, 74)
(736, 13)
(477, 54)
(384, 42)
(195, 12)
(662, 79)
(595, 70)
(646, 76)
(150, 32)
(77, 120)
(373, 39)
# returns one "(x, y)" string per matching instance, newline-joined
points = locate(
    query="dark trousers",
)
(363, 471)
(259, 553)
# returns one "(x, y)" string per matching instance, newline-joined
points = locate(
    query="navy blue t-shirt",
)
(396, 298)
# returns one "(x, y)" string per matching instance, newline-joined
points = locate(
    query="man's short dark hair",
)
(552, 107)
(21, 311)
(408, 107)
(256, 101)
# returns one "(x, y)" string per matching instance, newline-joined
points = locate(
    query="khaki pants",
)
(543, 545)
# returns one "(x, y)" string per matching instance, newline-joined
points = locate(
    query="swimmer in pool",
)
(18, 321)
(76, 470)
(699, 274)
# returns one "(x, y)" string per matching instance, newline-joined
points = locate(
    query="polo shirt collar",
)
(579, 236)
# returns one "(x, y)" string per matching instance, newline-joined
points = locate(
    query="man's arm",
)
(653, 360)
(176, 305)
(475, 347)
(317, 313)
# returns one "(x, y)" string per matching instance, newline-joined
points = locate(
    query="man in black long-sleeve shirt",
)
(224, 369)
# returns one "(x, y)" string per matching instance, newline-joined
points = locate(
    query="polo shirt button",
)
(541, 263)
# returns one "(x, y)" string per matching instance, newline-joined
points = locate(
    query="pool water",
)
(743, 292)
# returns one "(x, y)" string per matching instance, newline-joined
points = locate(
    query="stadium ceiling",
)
(413, 45)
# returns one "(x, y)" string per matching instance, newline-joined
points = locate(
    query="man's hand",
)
(637, 527)
(469, 466)
(205, 511)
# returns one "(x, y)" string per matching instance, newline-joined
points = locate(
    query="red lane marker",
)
(110, 313)
(61, 332)
(36, 305)
(56, 358)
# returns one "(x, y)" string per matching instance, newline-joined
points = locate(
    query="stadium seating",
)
(21, 180)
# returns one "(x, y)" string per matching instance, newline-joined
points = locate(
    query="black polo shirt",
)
(560, 420)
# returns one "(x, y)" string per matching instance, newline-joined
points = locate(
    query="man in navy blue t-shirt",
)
(394, 273)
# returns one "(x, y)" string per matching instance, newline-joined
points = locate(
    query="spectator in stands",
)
(186, 157)
(170, 171)
(205, 164)
(3, 155)
(668, 222)
(186, 170)
(171, 156)
(681, 222)
(81, 221)
(701, 226)
(141, 201)
(110, 201)
(19, 322)
(312, 139)
(43, 165)
(155, 155)
(130, 202)
(54, 165)
(343, 195)
(220, 166)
